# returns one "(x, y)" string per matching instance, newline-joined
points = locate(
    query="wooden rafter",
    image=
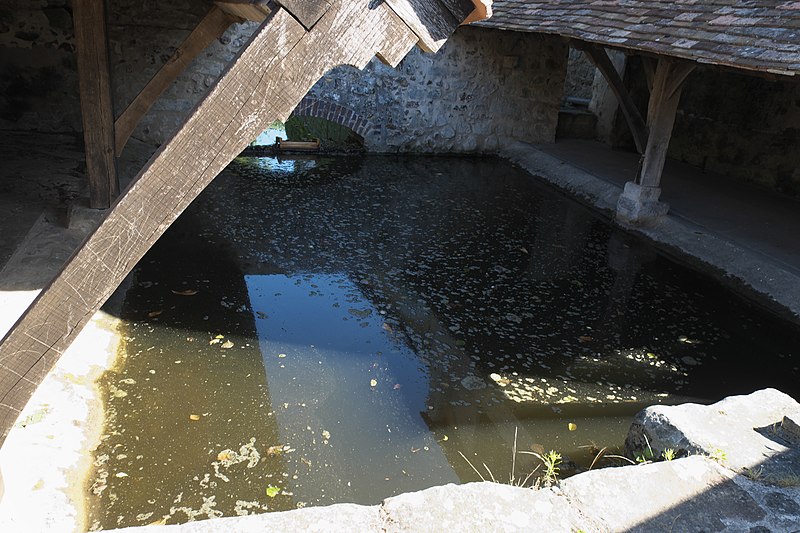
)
(265, 82)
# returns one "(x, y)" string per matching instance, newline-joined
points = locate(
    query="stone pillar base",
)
(639, 205)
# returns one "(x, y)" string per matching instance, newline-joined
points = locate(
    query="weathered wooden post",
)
(299, 42)
(94, 83)
(639, 202)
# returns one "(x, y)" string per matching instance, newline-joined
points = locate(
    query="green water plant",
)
(551, 461)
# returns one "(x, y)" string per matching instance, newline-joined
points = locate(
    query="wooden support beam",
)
(210, 28)
(264, 83)
(633, 117)
(94, 83)
(432, 21)
(664, 97)
(649, 64)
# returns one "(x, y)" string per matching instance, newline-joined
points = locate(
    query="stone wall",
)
(741, 126)
(38, 81)
(484, 88)
(38, 76)
(580, 75)
(142, 36)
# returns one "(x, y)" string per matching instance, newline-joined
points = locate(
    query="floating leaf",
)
(275, 450)
(162, 522)
(194, 417)
(227, 344)
(326, 434)
(584, 338)
(281, 355)
(153, 314)
(396, 386)
(224, 455)
(187, 292)
(121, 474)
(273, 491)
(213, 341)
(373, 383)
(572, 427)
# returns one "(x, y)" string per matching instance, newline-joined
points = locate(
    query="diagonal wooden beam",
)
(633, 117)
(432, 20)
(210, 28)
(265, 82)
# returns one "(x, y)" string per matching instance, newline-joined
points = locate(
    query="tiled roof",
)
(759, 35)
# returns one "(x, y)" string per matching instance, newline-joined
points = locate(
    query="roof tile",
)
(760, 35)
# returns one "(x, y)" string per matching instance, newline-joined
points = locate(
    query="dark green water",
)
(343, 329)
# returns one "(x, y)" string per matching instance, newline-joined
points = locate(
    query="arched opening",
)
(333, 137)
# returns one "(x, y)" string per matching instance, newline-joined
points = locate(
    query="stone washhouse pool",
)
(344, 329)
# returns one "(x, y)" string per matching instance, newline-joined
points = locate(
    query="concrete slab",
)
(742, 432)
(483, 507)
(692, 494)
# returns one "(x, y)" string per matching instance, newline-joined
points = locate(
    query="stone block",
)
(639, 205)
(741, 432)
(692, 494)
(482, 507)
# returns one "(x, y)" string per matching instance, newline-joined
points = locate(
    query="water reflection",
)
(347, 396)
(408, 310)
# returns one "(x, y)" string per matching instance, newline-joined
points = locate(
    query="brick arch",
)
(344, 116)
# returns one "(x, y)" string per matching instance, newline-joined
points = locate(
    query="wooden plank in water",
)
(94, 83)
(264, 83)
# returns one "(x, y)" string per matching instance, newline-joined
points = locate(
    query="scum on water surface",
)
(336, 329)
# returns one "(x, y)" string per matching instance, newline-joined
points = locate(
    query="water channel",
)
(332, 329)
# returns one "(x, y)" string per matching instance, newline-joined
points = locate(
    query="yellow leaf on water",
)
(572, 427)
(373, 383)
(227, 344)
(224, 456)
(275, 450)
(162, 522)
(194, 417)
(187, 292)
